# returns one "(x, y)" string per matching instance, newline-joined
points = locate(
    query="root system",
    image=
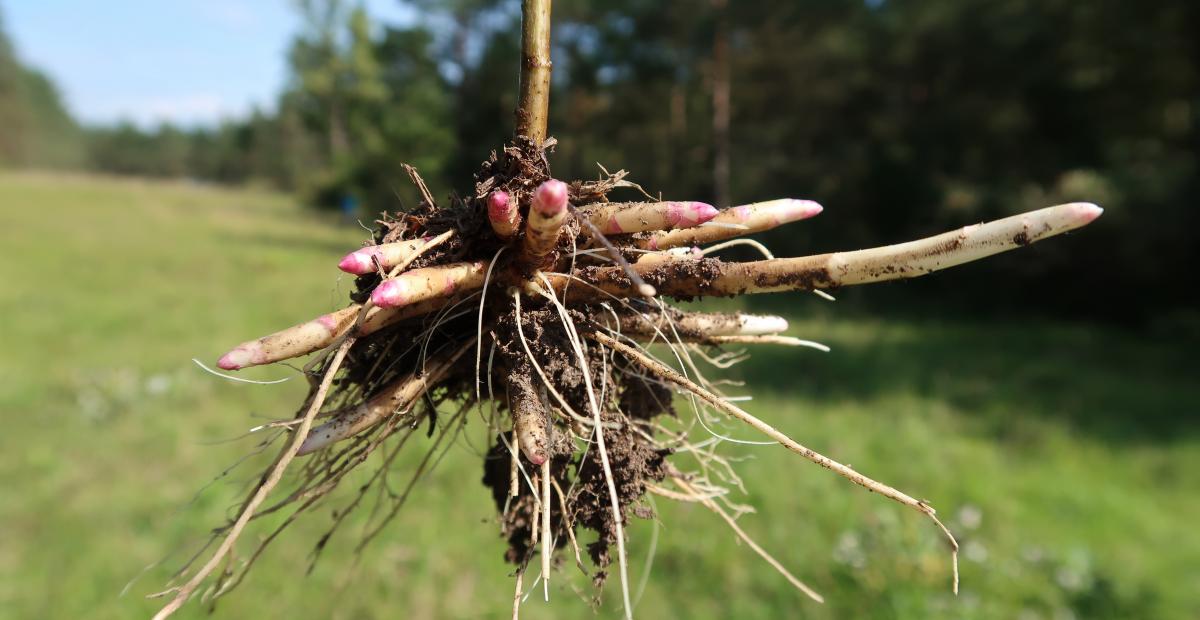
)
(555, 355)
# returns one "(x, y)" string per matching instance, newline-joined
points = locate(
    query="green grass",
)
(1066, 457)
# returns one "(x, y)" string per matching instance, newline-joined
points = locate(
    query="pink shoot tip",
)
(704, 211)
(1087, 212)
(357, 263)
(388, 294)
(804, 209)
(499, 205)
(240, 357)
(690, 213)
(550, 198)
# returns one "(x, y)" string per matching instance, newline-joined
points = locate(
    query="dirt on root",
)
(627, 404)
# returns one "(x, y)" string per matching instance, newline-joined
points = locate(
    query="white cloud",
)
(235, 15)
(190, 110)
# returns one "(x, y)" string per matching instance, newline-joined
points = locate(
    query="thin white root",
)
(788, 341)
(665, 372)
(735, 242)
(672, 495)
(222, 375)
(547, 543)
(711, 505)
(514, 483)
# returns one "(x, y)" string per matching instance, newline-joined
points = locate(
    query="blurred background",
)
(179, 177)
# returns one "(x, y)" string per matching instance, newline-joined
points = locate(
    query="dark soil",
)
(629, 403)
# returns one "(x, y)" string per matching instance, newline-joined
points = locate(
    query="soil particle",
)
(801, 280)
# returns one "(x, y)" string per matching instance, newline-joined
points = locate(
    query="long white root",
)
(710, 277)
(735, 222)
(319, 333)
(420, 285)
(387, 255)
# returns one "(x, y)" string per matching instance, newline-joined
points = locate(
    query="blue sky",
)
(191, 62)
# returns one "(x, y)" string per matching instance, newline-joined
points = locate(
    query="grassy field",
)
(1065, 457)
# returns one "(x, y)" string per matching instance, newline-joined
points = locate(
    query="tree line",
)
(903, 117)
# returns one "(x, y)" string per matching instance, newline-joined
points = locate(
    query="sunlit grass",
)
(1065, 457)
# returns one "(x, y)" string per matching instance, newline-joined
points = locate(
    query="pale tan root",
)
(383, 256)
(671, 495)
(661, 370)
(503, 215)
(567, 525)
(535, 525)
(906, 260)
(711, 505)
(703, 324)
(529, 419)
(547, 542)
(516, 605)
(427, 283)
(264, 488)
(787, 341)
(326, 330)
(734, 222)
(541, 236)
(893, 262)
(294, 341)
(319, 333)
(398, 396)
(514, 482)
(615, 218)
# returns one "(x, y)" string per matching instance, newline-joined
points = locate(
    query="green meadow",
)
(1066, 457)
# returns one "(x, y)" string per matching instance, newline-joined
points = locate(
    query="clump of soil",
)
(629, 403)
